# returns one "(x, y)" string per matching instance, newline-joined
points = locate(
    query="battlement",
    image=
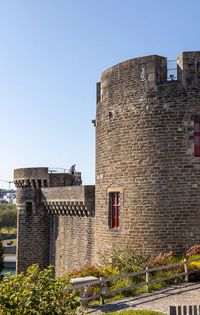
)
(46, 200)
(70, 201)
(40, 177)
(150, 71)
(147, 173)
(188, 71)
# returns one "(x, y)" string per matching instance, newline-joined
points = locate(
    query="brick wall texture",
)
(145, 146)
(33, 229)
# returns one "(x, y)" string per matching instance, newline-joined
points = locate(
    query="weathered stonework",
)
(145, 151)
(55, 220)
(144, 144)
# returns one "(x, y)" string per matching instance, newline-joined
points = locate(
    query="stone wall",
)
(33, 229)
(72, 226)
(144, 149)
(38, 177)
(55, 224)
(72, 242)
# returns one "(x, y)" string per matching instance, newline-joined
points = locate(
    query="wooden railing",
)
(85, 288)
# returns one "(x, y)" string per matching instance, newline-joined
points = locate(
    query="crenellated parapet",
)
(54, 210)
(68, 208)
(147, 173)
(189, 68)
(70, 201)
(148, 155)
(41, 177)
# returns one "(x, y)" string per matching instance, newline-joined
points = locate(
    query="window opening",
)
(197, 139)
(45, 183)
(29, 207)
(114, 211)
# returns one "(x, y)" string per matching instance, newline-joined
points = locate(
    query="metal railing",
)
(57, 170)
(171, 70)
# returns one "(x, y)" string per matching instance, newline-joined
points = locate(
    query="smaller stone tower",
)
(33, 218)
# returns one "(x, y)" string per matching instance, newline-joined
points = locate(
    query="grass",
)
(136, 312)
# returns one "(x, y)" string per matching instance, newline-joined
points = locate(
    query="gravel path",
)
(185, 294)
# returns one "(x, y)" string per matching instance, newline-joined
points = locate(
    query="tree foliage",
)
(37, 292)
(1, 256)
(8, 216)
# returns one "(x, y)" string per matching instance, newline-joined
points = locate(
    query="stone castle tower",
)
(147, 173)
(55, 219)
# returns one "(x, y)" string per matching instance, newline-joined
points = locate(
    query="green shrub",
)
(123, 261)
(37, 292)
(126, 259)
(162, 259)
(87, 271)
(8, 216)
(194, 269)
(1, 256)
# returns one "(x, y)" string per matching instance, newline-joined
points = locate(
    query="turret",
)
(33, 217)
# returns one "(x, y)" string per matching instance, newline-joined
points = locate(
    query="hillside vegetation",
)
(8, 216)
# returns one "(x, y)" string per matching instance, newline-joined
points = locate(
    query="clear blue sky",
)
(51, 55)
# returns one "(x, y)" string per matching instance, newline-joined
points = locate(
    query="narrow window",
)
(197, 138)
(114, 209)
(29, 207)
(45, 183)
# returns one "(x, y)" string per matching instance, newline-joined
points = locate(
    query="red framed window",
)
(114, 209)
(197, 139)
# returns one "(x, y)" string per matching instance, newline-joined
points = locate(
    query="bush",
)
(1, 256)
(37, 292)
(193, 250)
(126, 260)
(85, 271)
(194, 269)
(120, 261)
(8, 216)
(162, 259)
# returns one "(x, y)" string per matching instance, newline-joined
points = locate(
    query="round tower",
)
(43, 197)
(148, 155)
(33, 220)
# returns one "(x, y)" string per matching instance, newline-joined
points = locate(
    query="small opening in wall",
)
(39, 183)
(29, 207)
(197, 138)
(110, 114)
(45, 183)
(171, 70)
(114, 210)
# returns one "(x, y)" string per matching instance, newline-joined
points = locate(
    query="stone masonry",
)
(144, 152)
(55, 219)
